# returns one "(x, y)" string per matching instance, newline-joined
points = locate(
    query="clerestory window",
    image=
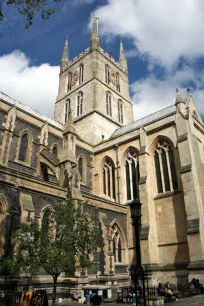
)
(107, 74)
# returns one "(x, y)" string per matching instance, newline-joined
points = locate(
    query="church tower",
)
(96, 88)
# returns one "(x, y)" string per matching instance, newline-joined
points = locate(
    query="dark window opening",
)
(23, 148)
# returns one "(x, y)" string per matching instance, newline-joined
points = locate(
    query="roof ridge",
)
(134, 125)
(30, 110)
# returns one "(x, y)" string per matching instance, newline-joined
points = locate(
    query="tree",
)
(29, 8)
(67, 238)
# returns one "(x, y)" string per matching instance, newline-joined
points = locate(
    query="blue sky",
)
(163, 41)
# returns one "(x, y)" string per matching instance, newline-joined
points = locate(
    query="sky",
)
(163, 42)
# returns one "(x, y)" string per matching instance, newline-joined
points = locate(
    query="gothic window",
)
(67, 108)
(120, 111)
(117, 82)
(81, 73)
(109, 179)
(132, 175)
(23, 148)
(82, 169)
(80, 103)
(69, 86)
(117, 244)
(165, 167)
(108, 104)
(107, 74)
(55, 151)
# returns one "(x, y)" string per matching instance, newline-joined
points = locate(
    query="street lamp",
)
(135, 209)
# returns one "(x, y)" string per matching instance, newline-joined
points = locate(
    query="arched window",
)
(80, 103)
(46, 220)
(118, 248)
(132, 175)
(55, 151)
(117, 81)
(23, 151)
(82, 169)
(108, 104)
(165, 167)
(107, 74)
(81, 73)
(120, 111)
(109, 178)
(69, 86)
(67, 108)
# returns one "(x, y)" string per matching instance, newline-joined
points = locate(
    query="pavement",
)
(197, 300)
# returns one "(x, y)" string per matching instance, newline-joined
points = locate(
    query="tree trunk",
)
(54, 291)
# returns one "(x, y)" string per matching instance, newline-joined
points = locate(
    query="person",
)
(130, 292)
(160, 290)
(96, 300)
(171, 290)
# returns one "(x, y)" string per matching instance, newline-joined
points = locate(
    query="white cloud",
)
(163, 30)
(35, 86)
(151, 94)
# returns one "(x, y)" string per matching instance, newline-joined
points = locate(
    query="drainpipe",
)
(118, 177)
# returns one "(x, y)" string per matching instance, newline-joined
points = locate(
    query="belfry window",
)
(67, 108)
(117, 244)
(80, 103)
(132, 175)
(117, 78)
(120, 111)
(81, 73)
(165, 167)
(23, 152)
(107, 74)
(109, 179)
(69, 87)
(108, 104)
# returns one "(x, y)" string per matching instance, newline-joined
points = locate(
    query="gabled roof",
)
(30, 111)
(145, 121)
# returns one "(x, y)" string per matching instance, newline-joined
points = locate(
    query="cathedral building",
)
(109, 160)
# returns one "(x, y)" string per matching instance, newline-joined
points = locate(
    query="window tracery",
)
(109, 179)
(165, 167)
(132, 175)
(117, 244)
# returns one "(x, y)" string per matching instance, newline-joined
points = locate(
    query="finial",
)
(189, 91)
(94, 43)
(177, 91)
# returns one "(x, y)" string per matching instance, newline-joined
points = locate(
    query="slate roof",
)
(30, 111)
(144, 121)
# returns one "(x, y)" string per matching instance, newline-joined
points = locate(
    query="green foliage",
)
(68, 239)
(29, 8)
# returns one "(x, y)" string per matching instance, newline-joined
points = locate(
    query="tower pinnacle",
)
(94, 42)
(122, 59)
(65, 57)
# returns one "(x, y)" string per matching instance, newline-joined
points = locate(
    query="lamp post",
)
(135, 208)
